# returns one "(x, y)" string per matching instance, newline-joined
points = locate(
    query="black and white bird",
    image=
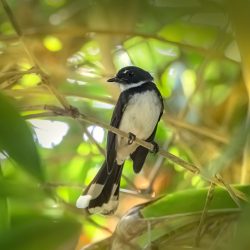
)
(137, 112)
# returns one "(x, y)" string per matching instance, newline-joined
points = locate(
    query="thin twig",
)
(234, 193)
(92, 140)
(57, 111)
(209, 198)
(12, 18)
(156, 168)
(62, 100)
(20, 35)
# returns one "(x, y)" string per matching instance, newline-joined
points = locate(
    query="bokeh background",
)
(61, 52)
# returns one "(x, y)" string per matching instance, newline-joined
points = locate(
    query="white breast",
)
(141, 114)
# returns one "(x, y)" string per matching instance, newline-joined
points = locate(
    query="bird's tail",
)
(102, 194)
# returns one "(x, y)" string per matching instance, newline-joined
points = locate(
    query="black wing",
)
(140, 154)
(115, 122)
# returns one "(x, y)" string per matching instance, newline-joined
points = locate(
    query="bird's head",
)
(131, 75)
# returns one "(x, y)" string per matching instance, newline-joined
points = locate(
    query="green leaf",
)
(19, 189)
(241, 239)
(16, 139)
(174, 219)
(191, 201)
(36, 232)
(4, 214)
(4, 209)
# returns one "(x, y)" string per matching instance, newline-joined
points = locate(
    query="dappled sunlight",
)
(49, 133)
(97, 133)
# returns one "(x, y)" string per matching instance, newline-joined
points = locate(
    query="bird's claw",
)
(131, 138)
(155, 150)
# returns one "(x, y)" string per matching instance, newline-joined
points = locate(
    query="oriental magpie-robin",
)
(137, 112)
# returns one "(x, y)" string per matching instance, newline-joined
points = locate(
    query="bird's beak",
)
(114, 79)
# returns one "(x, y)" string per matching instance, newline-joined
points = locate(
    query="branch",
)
(168, 119)
(82, 117)
(204, 214)
(57, 111)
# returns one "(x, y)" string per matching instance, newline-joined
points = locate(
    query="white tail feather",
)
(83, 201)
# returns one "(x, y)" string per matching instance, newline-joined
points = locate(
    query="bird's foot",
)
(131, 138)
(155, 150)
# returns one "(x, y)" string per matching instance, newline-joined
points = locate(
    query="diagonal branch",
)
(149, 146)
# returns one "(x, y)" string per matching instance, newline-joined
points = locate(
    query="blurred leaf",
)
(190, 34)
(4, 211)
(173, 220)
(55, 3)
(11, 188)
(241, 240)
(4, 214)
(140, 55)
(231, 151)
(179, 3)
(6, 28)
(40, 233)
(191, 201)
(16, 139)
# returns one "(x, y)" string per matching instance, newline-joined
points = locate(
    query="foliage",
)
(23, 150)
(57, 54)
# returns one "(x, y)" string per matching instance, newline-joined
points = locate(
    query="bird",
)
(138, 110)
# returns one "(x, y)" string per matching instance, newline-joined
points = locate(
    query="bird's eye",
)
(130, 74)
